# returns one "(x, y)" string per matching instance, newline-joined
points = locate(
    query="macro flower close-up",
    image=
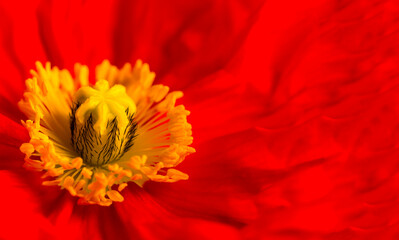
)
(199, 119)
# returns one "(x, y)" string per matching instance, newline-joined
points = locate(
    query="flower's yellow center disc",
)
(93, 140)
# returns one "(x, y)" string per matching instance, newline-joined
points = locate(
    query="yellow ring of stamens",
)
(125, 97)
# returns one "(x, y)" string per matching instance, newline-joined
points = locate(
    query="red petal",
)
(143, 218)
(225, 176)
(221, 100)
(332, 119)
(183, 42)
(76, 31)
(21, 214)
(20, 38)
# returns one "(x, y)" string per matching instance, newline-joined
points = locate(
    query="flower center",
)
(92, 141)
(102, 123)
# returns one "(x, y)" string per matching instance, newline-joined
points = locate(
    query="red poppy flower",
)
(293, 112)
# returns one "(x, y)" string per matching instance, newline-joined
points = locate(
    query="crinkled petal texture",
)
(295, 118)
(331, 118)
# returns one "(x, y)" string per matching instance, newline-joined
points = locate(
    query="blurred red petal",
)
(225, 176)
(73, 221)
(143, 218)
(182, 41)
(73, 31)
(21, 214)
(332, 102)
(220, 100)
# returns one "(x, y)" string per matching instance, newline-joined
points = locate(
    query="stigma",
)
(93, 140)
(102, 123)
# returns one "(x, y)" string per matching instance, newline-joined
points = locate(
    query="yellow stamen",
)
(93, 140)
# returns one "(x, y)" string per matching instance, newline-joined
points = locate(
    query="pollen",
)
(92, 140)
